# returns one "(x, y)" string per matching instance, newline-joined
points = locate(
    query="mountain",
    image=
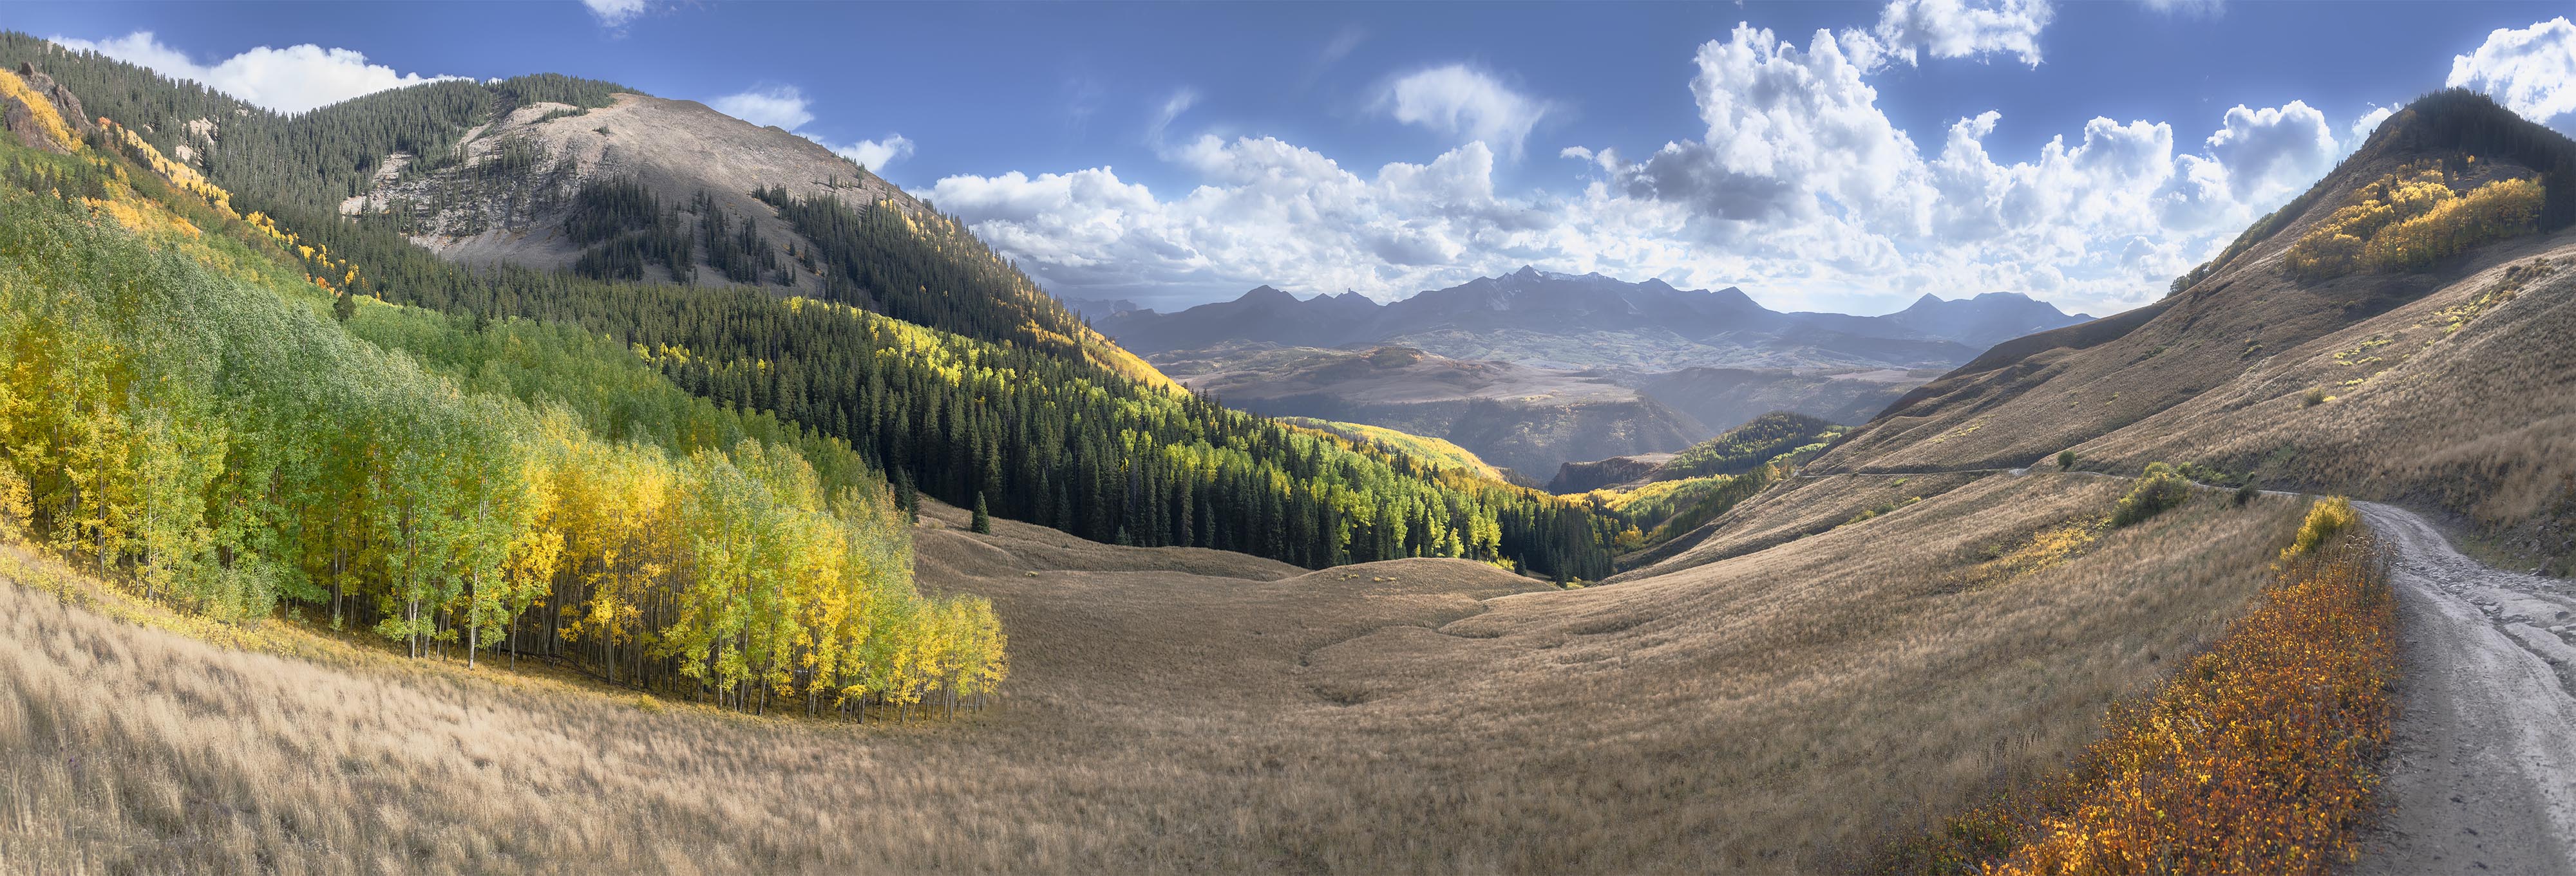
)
(926, 357)
(2411, 352)
(1529, 420)
(1100, 308)
(560, 174)
(1566, 321)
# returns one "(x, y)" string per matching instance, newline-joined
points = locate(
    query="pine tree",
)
(983, 521)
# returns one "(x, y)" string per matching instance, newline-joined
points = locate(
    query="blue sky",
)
(1820, 155)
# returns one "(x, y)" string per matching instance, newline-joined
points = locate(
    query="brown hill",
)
(2444, 380)
(674, 148)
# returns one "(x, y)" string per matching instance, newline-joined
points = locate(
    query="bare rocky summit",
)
(505, 196)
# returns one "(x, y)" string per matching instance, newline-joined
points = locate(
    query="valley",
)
(1534, 370)
(534, 474)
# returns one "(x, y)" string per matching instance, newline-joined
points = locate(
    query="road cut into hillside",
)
(2482, 770)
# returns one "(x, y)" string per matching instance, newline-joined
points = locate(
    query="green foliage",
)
(2245, 494)
(181, 410)
(983, 522)
(313, 160)
(2158, 490)
(1012, 396)
(2066, 460)
(1747, 447)
(926, 270)
(1051, 440)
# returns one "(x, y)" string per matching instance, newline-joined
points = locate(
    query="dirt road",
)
(2482, 773)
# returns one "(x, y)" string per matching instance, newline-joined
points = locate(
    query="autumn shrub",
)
(2327, 518)
(2254, 758)
(2159, 489)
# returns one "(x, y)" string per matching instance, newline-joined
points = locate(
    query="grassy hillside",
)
(1174, 708)
(1431, 451)
(2385, 335)
(180, 408)
(1038, 429)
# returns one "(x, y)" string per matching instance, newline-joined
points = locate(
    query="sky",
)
(1820, 156)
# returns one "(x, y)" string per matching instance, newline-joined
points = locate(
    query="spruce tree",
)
(983, 521)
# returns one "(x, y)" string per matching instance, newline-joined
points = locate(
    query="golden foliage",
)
(2412, 218)
(47, 119)
(2253, 759)
(2327, 518)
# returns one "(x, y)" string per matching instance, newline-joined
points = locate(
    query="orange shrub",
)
(2256, 757)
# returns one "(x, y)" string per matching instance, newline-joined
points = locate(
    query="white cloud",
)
(1951, 29)
(2531, 71)
(1466, 103)
(874, 154)
(1180, 102)
(615, 12)
(289, 80)
(1800, 189)
(2187, 8)
(785, 107)
(2363, 127)
(2272, 151)
(779, 105)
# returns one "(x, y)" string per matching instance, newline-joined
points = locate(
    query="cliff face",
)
(40, 113)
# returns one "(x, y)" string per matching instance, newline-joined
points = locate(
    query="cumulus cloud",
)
(1466, 103)
(289, 80)
(2531, 70)
(1798, 187)
(614, 13)
(779, 105)
(2270, 151)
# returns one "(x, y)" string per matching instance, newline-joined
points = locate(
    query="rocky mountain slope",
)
(505, 195)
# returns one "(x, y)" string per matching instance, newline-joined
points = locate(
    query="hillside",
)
(2417, 381)
(557, 173)
(1526, 419)
(1430, 451)
(1169, 707)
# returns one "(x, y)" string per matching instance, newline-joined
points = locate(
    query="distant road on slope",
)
(2482, 773)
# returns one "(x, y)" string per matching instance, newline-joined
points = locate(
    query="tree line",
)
(184, 411)
(1010, 395)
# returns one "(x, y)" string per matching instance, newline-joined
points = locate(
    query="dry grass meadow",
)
(1788, 709)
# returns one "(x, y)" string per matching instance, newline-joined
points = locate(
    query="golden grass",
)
(1177, 709)
(2257, 757)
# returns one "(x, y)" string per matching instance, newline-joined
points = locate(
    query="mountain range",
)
(1572, 322)
(1533, 369)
